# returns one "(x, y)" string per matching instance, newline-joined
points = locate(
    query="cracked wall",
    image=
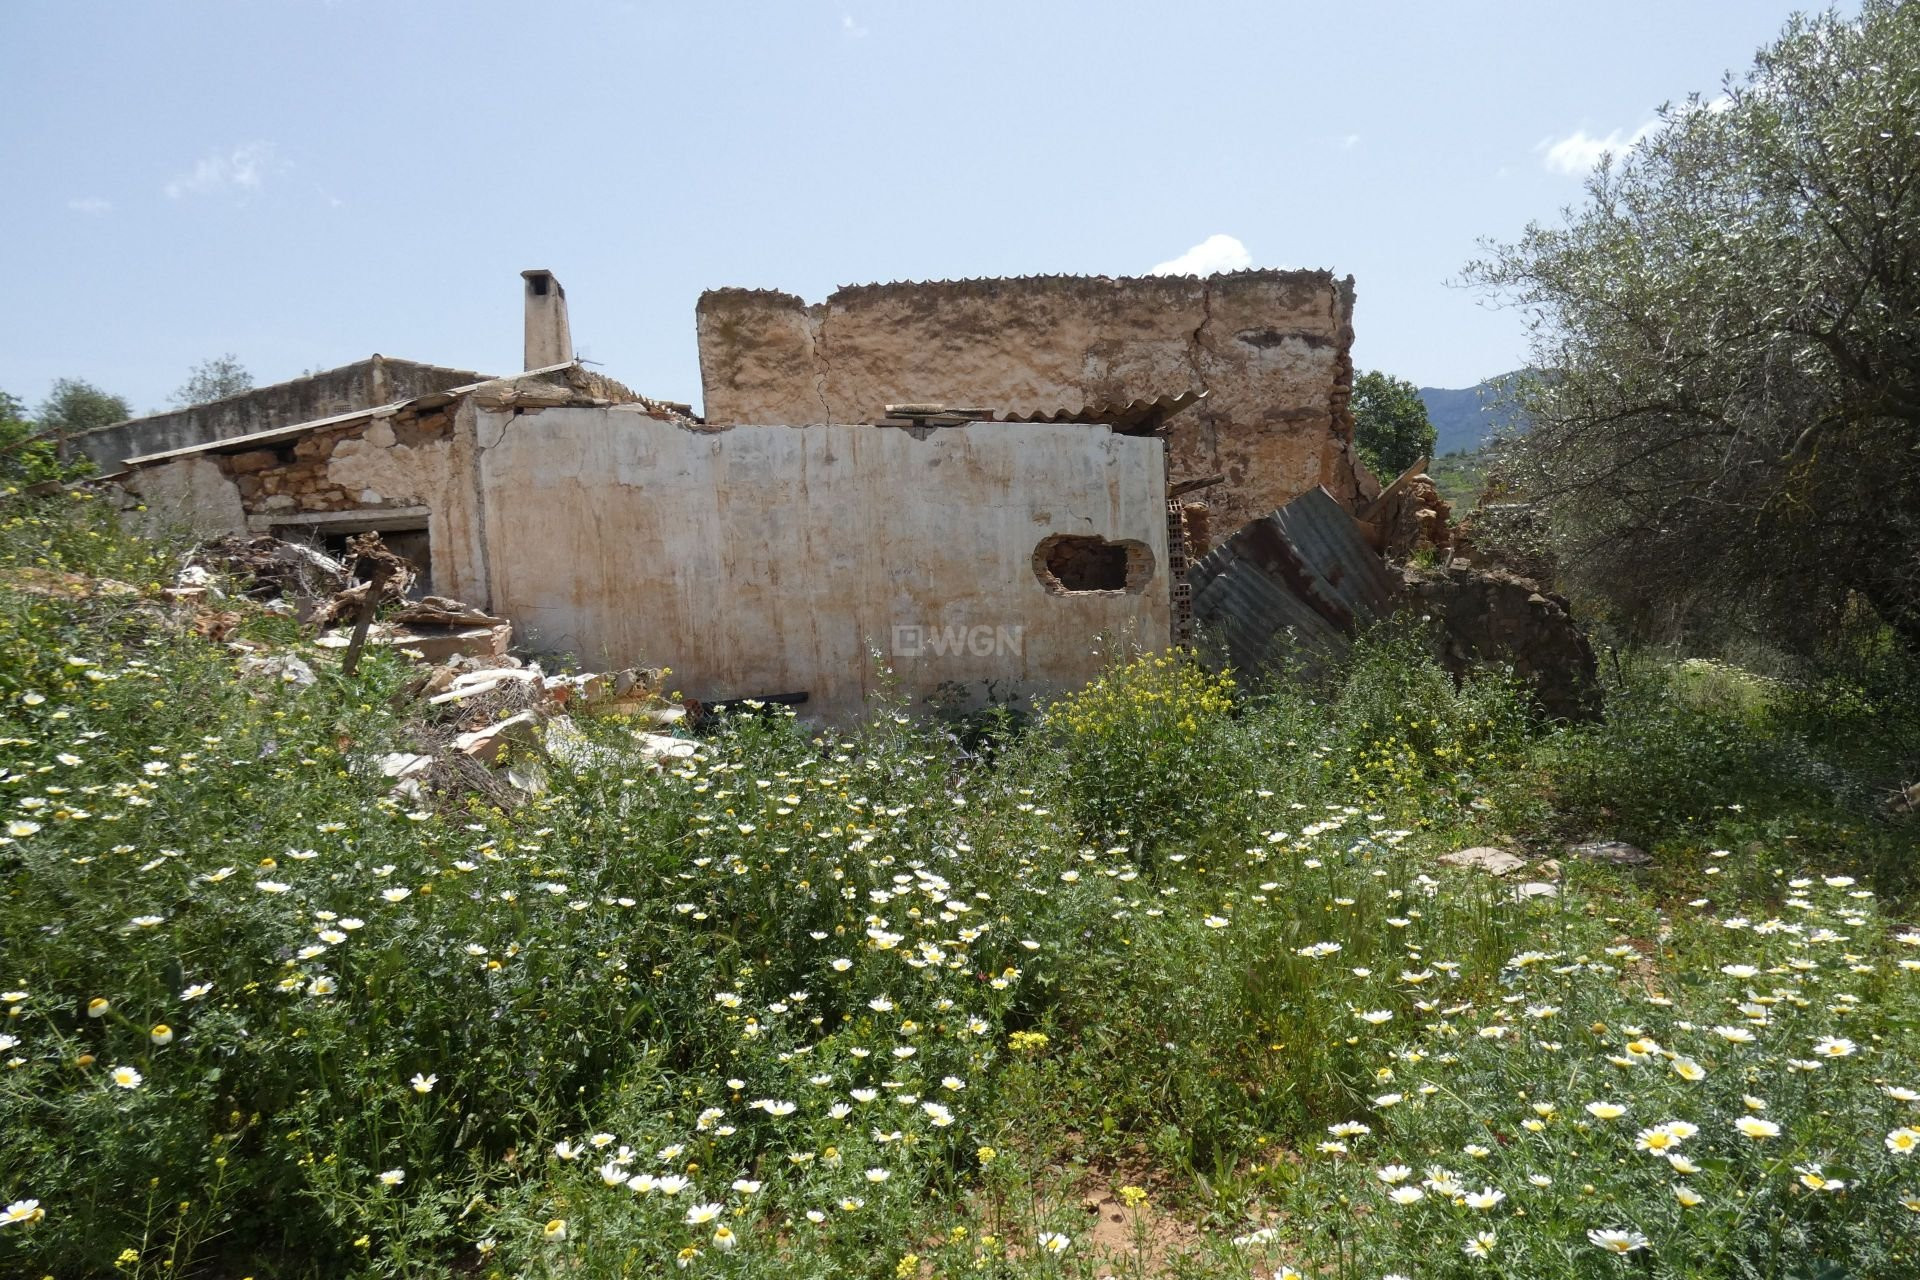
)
(1270, 348)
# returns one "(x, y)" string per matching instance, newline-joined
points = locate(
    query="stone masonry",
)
(1270, 348)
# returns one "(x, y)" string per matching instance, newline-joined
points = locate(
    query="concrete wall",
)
(768, 560)
(1271, 349)
(362, 385)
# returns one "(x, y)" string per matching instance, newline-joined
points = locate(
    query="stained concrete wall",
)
(1271, 349)
(768, 560)
(751, 560)
(361, 385)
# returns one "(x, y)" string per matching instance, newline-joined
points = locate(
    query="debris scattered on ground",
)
(472, 684)
(1495, 862)
(71, 586)
(660, 746)
(1614, 853)
(265, 568)
(487, 721)
(487, 742)
(285, 667)
(403, 764)
(439, 611)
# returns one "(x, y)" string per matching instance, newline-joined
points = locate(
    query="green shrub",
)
(871, 996)
(1141, 749)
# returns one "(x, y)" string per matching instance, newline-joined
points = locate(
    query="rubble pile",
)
(262, 569)
(1480, 617)
(486, 720)
(1409, 516)
(1289, 592)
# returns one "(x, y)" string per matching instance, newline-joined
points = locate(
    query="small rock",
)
(663, 717)
(528, 776)
(1496, 862)
(1535, 889)
(1614, 853)
(285, 667)
(401, 764)
(438, 644)
(660, 746)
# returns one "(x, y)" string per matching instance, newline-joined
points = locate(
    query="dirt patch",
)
(1136, 1239)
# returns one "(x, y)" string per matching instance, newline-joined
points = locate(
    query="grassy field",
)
(1170, 981)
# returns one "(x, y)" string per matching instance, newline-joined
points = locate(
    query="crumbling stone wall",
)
(1480, 618)
(364, 384)
(316, 472)
(1270, 348)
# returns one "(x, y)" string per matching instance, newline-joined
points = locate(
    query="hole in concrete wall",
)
(1067, 564)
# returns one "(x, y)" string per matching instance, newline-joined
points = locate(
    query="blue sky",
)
(305, 182)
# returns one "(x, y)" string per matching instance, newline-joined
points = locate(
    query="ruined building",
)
(1270, 351)
(971, 480)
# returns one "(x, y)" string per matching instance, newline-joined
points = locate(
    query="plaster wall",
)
(194, 494)
(1270, 348)
(765, 560)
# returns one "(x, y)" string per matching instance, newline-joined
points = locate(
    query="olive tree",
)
(214, 379)
(1728, 432)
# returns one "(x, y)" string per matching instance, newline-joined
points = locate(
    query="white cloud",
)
(243, 168)
(1214, 254)
(93, 206)
(1349, 142)
(852, 29)
(1579, 151)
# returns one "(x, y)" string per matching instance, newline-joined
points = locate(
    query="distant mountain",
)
(1467, 418)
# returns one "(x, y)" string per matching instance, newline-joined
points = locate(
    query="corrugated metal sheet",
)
(1141, 416)
(1288, 591)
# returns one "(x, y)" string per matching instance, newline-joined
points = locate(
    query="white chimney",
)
(549, 341)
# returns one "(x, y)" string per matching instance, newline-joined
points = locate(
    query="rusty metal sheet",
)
(1290, 590)
(1145, 416)
(1142, 416)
